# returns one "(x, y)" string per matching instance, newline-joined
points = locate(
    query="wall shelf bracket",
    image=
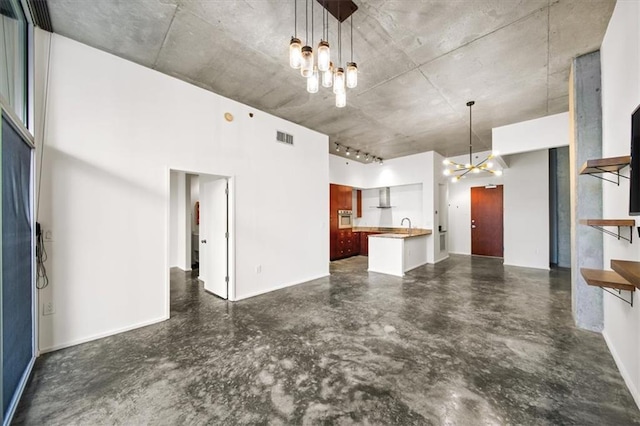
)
(616, 174)
(618, 295)
(611, 165)
(599, 224)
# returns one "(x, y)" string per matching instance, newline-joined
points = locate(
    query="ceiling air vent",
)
(284, 137)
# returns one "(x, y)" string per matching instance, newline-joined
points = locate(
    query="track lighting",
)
(337, 147)
(348, 152)
(357, 154)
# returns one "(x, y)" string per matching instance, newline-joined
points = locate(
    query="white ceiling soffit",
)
(419, 61)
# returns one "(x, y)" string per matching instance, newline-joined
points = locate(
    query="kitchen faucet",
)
(402, 223)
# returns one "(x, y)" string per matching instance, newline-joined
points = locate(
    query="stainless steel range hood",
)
(384, 198)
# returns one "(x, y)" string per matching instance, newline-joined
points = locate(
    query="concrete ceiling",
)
(419, 61)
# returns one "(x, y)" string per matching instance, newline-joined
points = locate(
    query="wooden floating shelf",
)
(599, 223)
(608, 222)
(608, 279)
(628, 270)
(606, 165)
(602, 165)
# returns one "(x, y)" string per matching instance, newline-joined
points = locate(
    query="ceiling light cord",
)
(306, 19)
(312, 20)
(470, 144)
(295, 18)
(351, 37)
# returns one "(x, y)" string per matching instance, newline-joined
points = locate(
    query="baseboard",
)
(460, 253)
(623, 371)
(527, 266)
(102, 335)
(280, 287)
(440, 260)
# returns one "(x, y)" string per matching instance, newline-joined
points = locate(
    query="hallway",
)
(466, 341)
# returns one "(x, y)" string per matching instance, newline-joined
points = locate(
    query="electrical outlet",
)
(48, 235)
(48, 308)
(258, 269)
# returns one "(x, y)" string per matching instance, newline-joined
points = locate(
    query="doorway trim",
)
(231, 256)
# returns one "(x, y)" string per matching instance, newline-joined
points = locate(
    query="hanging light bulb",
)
(306, 68)
(295, 45)
(455, 179)
(341, 99)
(498, 173)
(338, 81)
(313, 81)
(352, 68)
(324, 55)
(447, 172)
(327, 76)
(295, 53)
(352, 75)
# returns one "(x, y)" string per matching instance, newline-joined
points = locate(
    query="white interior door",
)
(214, 235)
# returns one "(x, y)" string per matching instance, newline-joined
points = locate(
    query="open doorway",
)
(200, 229)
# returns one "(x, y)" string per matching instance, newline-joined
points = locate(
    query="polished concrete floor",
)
(465, 342)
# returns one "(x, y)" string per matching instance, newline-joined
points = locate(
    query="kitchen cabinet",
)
(341, 241)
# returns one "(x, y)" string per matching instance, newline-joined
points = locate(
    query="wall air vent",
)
(284, 137)
(40, 14)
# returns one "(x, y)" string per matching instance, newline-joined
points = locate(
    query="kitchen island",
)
(397, 253)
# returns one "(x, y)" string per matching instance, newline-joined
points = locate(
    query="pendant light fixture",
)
(459, 171)
(313, 82)
(318, 69)
(327, 76)
(306, 70)
(324, 52)
(352, 68)
(295, 45)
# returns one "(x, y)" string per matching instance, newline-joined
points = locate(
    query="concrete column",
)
(585, 113)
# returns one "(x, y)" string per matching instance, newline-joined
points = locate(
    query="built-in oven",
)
(345, 219)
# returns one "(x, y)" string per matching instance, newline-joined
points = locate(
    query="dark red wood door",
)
(486, 221)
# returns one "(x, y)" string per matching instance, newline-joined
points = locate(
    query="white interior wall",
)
(526, 210)
(533, 135)
(195, 198)
(406, 201)
(620, 58)
(105, 190)
(459, 229)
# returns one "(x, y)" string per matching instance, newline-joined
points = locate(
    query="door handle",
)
(203, 241)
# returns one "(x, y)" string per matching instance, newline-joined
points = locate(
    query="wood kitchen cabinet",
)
(342, 242)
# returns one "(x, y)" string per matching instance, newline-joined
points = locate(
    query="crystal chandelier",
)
(321, 71)
(458, 171)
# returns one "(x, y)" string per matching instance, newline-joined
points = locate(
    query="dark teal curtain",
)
(17, 327)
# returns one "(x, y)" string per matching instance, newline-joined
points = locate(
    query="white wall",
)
(526, 210)
(620, 58)
(534, 135)
(195, 198)
(179, 222)
(406, 201)
(460, 211)
(114, 129)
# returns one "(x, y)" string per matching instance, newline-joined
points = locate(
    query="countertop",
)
(393, 231)
(414, 233)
